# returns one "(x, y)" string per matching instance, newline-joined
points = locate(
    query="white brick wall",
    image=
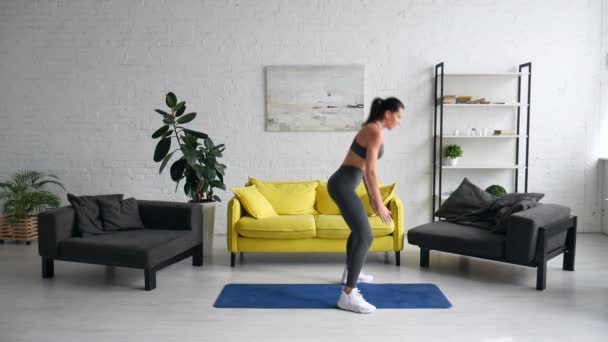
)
(79, 81)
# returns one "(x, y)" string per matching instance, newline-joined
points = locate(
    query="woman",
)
(360, 162)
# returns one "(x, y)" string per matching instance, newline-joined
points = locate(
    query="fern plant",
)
(25, 193)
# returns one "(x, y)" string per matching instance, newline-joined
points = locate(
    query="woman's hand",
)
(382, 211)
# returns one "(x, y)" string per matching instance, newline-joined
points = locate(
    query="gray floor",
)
(491, 301)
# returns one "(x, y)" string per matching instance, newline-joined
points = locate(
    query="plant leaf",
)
(199, 135)
(165, 161)
(187, 189)
(169, 132)
(189, 153)
(186, 118)
(177, 169)
(163, 113)
(209, 143)
(159, 132)
(171, 100)
(180, 108)
(162, 148)
(168, 121)
(191, 141)
(218, 184)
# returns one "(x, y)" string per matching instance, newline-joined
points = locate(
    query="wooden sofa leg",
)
(150, 275)
(197, 255)
(232, 259)
(48, 268)
(398, 258)
(570, 251)
(424, 257)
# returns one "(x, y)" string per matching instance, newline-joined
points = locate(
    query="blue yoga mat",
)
(325, 296)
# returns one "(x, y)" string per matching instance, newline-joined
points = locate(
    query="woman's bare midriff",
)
(352, 159)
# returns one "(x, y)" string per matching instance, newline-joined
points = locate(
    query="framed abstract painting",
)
(314, 98)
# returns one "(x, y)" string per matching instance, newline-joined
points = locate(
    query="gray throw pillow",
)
(88, 214)
(120, 214)
(467, 201)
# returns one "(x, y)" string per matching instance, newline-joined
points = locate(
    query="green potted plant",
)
(24, 195)
(496, 190)
(196, 161)
(453, 153)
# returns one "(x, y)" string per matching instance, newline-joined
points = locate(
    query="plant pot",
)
(23, 230)
(208, 227)
(451, 161)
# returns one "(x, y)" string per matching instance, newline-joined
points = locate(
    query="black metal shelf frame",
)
(438, 138)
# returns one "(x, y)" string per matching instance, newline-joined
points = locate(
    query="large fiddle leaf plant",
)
(196, 154)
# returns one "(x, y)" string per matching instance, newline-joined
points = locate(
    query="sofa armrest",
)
(55, 225)
(171, 215)
(397, 213)
(235, 212)
(522, 231)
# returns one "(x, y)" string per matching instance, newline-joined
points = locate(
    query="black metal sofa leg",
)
(232, 259)
(398, 258)
(48, 268)
(570, 251)
(541, 276)
(424, 257)
(150, 275)
(197, 255)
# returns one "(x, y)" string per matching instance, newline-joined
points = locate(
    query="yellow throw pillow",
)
(289, 198)
(360, 190)
(387, 193)
(254, 202)
(325, 204)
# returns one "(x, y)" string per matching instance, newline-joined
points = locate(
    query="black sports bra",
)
(362, 151)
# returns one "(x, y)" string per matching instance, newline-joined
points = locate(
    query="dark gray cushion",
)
(88, 214)
(466, 203)
(129, 248)
(512, 203)
(459, 239)
(120, 214)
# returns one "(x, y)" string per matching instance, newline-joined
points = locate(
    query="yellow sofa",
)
(317, 229)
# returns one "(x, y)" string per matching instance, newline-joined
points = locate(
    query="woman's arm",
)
(371, 177)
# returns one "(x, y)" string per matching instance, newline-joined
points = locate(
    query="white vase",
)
(451, 161)
(208, 227)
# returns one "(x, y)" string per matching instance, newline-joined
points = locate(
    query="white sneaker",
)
(363, 278)
(355, 302)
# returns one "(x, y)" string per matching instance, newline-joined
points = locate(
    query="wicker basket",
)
(24, 230)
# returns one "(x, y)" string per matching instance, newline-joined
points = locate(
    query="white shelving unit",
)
(478, 145)
(484, 105)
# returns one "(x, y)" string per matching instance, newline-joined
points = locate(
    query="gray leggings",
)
(341, 186)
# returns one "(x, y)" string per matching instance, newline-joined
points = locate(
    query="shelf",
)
(472, 166)
(484, 105)
(483, 137)
(489, 74)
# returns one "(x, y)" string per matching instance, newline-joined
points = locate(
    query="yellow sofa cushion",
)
(387, 192)
(289, 198)
(334, 227)
(254, 202)
(278, 227)
(325, 204)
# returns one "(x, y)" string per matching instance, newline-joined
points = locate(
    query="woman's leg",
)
(360, 238)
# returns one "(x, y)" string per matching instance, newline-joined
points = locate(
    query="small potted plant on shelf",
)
(198, 164)
(452, 153)
(24, 195)
(496, 190)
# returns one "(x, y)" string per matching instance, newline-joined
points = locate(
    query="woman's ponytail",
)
(379, 106)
